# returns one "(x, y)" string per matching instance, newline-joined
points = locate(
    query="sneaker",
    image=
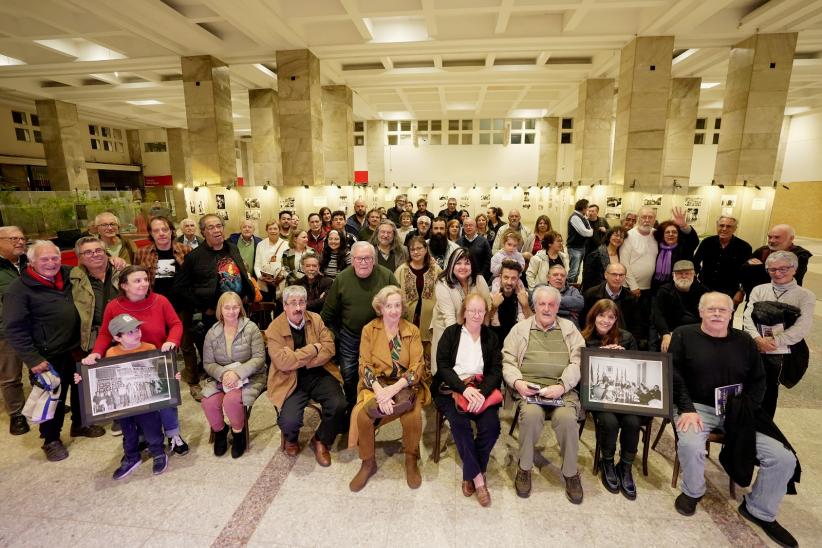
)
(116, 429)
(93, 431)
(177, 445)
(775, 532)
(522, 483)
(160, 464)
(55, 451)
(126, 468)
(573, 489)
(686, 505)
(18, 425)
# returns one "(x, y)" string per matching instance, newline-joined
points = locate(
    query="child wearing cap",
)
(125, 330)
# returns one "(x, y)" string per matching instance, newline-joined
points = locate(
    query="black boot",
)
(221, 441)
(626, 480)
(608, 475)
(237, 444)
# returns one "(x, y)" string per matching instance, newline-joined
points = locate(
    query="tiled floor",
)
(268, 499)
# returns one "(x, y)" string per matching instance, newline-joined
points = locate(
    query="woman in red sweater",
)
(161, 327)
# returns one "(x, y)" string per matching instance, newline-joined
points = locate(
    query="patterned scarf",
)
(395, 345)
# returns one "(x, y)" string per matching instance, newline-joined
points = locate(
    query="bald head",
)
(780, 237)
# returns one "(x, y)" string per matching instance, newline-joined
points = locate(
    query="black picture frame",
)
(128, 385)
(625, 381)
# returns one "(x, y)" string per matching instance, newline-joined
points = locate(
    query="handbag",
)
(461, 402)
(791, 366)
(403, 402)
(44, 397)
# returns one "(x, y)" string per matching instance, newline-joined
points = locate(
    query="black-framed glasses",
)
(93, 252)
(13, 238)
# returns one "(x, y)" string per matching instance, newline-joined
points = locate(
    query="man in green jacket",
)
(12, 261)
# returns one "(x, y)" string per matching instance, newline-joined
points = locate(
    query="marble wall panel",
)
(265, 136)
(679, 131)
(63, 142)
(180, 164)
(375, 150)
(593, 130)
(548, 149)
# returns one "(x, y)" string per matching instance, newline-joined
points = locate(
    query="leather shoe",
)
(291, 448)
(626, 480)
(320, 452)
(522, 483)
(18, 425)
(221, 441)
(775, 532)
(686, 505)
(608, 475)
(93, 431)
(412, 472)
(573, 489)
(367, 469)
(484, 496)
(196, 392)
(468, 488)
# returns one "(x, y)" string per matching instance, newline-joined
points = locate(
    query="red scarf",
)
(56, 284)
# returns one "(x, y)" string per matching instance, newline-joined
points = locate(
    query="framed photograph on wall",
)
(128, 385)
(622, 381)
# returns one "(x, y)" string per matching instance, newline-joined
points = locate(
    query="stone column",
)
(301, 119)
(683, 107)
(756, 90)
(338, 133)
(548, 149)
(63, 143)
(375, 150)
(265, 136)
(207, 90)
(180, 164)
(592, 150)
(642, 108)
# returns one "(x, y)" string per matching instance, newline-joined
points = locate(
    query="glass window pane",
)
(18, 117)
(95, 144)
(117, 134)
(422, 125)
(118, 146)
(565, 138)
(453, 138)
(530, 124)
(107, 145)
(405, 125)
(516, 138)
(467, 125)
(498, 138)
(716, 138)
(392, 126)
(405, 139)
(435, 139)
(485, 139)
(499, 124)
(516, 124)
(106, 131)
(22, 134)
(530, 138)
(567, 123)
(718, 123)
(359, 141)
(700, 123)
(35, 120)
(358, 126)
(453, 125)
(436, 125)
(467, 138)
(38, 137)
(485, 125)
(92, 130)
(699, 139)
(392, 139)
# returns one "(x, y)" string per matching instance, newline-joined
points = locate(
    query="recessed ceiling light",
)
(708, 85)
(396, 115)
(145, 102)
(397, 29)
(81, 49)
(5, 60)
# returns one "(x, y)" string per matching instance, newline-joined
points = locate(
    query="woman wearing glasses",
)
(417, 277)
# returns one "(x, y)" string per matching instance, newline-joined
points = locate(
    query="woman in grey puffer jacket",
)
(236, 372)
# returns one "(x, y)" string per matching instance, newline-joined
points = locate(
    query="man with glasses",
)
(780, 238)
(394, 213)
(348, 308)
(773, 342)
(12, 261)
(707, 356)
(613, 289)
(212, 269)
(477, 246)
(108, 228)
(301, 348)
(719, 258)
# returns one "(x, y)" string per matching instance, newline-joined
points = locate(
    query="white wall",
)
(803, 155)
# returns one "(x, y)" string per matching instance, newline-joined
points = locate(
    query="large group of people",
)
(376, 314)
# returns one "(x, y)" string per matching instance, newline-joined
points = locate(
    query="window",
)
(567, 123)
(718, 123)
(158, 146)
(26, 126)
(566, 138)
(107, 139)
(523, 132)
(359, 134)
(429, 132)
(716, 139)
(699, 138)
(460, 132)
(701, 123)
(19, 117)
(399, 132)
(492, 131)
(22, 134)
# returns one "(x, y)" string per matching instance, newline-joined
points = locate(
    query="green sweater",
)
(348, 303)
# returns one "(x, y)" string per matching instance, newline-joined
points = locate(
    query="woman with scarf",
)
(677, 241)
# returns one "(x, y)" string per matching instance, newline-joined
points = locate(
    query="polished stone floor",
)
(268, 499)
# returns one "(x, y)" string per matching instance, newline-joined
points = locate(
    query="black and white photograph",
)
(652, 200)
(220, 198)
(728, 200)
(222, 214)
(128, 385)
(613, 201)
(692, 214)
(252, 203)
(252, 214)
(626, 382)
(693, 201)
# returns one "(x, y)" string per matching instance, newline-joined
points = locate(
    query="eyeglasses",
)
(213, 227)
(93, 252)
(14, 238)
(363, 260)
(295, 303)
(108, 225)
(780, 269)
(477, 312)
(726, 226)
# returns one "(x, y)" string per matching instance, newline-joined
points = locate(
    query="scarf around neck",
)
(663, 262)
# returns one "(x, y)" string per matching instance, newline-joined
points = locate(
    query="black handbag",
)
(791, 366)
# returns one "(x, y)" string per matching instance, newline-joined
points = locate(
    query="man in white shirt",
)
(638, 254)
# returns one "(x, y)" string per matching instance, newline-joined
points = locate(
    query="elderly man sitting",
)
(572, 300)
(541, 356)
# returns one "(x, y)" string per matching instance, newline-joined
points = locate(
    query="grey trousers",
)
(564, 423)
(11, 378)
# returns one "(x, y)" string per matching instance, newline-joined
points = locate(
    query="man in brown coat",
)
(301, 348)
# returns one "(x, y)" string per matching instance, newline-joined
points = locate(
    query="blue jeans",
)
(150, 426)
(776, 466)
(348, 358)
(170, 422)
(575, 256)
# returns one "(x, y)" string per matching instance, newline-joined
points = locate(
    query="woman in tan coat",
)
(393, 385)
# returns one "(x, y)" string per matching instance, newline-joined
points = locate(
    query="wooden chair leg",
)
(582, 424)
(646, 445)
(661, 431)
(597, 449)
(438, 435)
(675, 475)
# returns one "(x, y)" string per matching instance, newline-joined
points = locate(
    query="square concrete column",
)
(180, 165)
(265, 136)
(756, 90)
(548, 149)
(338, 133)
(301, 118)
(642, 108)
(592, 152)
(207, 90)
(375, 150)
(683, 107)
(63, 142)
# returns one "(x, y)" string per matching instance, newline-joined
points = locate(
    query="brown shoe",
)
(196, 392)
(573, 489)
(412, 472)
(320, 452)
(367, 469)
(522, 483)
(291, 448)
(484, 496)
(468, 488)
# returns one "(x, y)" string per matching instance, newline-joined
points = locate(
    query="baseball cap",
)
(682, 265)
(123, 323)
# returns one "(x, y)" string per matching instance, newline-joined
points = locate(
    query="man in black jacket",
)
(719, 260)
(677, 302)
(43, 327)
(612, 289)
(12, 262)
(780, 238)
(477, 246)
(708, 356)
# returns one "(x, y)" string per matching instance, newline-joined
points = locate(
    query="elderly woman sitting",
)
(392, 386)
(234, 358)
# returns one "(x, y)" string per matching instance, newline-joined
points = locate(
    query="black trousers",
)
(474, 450)
(627, 426)
(64, 365)
(324, 389)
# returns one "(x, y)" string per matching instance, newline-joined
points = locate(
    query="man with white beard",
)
(677, 302)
